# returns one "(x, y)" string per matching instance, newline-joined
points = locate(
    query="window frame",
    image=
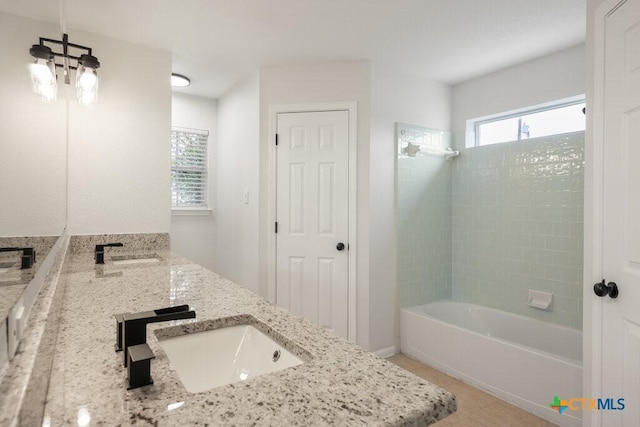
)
(473, 134)
(203, 209)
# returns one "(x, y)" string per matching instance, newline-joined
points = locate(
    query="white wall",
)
(552, 77)
(399, 98)
(316, 83)
(406, 99)
(117, 165)
(194, 236)
(238, 170)
(119, 156)
(33, 139)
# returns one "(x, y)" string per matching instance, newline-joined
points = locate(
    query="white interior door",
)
(621, 231)
(312, 211)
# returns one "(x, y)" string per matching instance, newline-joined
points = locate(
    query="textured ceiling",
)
(217, 42)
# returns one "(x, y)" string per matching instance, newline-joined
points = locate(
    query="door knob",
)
(602, 290)
(340, 246)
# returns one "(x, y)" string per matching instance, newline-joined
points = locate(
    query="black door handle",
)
(340, 246)
(602, 290)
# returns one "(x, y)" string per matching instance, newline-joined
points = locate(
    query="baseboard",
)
(386, 352)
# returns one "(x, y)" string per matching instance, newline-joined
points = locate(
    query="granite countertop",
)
(341, 384)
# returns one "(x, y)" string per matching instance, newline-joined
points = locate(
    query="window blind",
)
(189, 168)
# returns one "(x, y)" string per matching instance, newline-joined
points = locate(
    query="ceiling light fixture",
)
(43, 70)
(178, 80)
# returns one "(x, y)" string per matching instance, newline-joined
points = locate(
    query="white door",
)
(312, 211)
(621, 231)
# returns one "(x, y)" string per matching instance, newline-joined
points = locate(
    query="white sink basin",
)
(10, 272)
(135, 261)
(6, 266)
(209, 359)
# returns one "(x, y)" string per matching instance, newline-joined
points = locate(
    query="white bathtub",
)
(518, 359)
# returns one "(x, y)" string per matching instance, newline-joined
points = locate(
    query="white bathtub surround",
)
(520, 360)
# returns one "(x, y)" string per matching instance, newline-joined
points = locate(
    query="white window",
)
(534, 122)
(189, 168)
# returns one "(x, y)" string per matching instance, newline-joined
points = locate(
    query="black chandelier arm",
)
(71, 67)
(88, 49)
(62, 55)
(64, 43)
(65, 50)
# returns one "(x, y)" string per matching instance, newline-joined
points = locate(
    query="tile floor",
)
(475, 407)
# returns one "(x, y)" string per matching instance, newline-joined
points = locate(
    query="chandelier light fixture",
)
(43, 69)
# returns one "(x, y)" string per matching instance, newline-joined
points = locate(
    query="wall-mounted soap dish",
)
(540, 300)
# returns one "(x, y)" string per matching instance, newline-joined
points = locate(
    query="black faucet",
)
(134, 325)
(28, 255)
(100, 251)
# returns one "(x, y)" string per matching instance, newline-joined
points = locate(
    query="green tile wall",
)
(424, 230)
(491, 224)
(517, 211)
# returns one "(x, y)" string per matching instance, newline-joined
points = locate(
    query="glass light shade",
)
(178, 80)
(43, 77)
(87, 85)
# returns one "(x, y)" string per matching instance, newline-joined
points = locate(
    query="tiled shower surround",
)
(516, 224)
(424, 230)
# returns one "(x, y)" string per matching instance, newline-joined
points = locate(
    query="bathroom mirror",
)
(33, 174)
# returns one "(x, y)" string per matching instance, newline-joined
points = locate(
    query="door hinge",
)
(276, 139)
(276, 226)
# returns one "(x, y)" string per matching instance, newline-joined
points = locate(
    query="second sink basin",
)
(6, 266)
(135, 260)
(213, 358)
